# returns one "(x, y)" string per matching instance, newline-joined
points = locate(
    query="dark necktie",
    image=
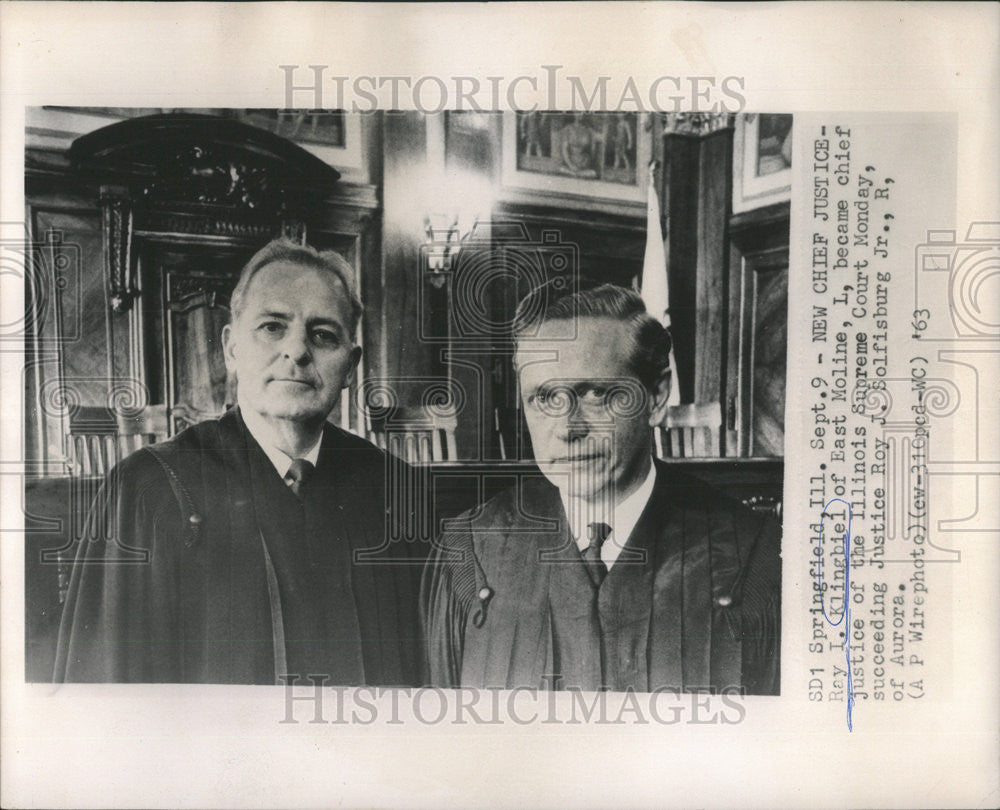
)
(597, 533)
(298, 474)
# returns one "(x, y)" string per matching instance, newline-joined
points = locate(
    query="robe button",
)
(724, 601)
(194, 522)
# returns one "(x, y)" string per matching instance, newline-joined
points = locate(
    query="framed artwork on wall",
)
(587, 160)
(334, 136)
(327, 127)
(762, 160)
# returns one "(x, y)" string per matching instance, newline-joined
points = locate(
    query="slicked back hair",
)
(284, 250)
(650, 350)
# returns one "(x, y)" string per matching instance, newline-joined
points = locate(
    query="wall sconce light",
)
(442, 243)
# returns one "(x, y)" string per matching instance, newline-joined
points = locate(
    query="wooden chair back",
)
(419, 436)
(99, 438)
(691, 431)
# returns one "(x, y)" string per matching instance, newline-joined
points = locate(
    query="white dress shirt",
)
(264, 436)
(621, 517)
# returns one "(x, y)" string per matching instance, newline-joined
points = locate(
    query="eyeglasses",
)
(609, 399)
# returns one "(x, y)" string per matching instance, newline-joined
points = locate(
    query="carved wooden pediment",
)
(190, 161)
(190, 177)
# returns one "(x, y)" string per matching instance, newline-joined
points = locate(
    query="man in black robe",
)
(609, 569)
(251, 548)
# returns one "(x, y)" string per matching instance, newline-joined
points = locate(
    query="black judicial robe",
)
(202, 566)
(693, 602)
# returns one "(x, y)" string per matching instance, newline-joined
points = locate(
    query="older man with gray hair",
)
(232, 552)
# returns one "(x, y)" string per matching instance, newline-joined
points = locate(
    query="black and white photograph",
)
(261, 480)
(499, 405)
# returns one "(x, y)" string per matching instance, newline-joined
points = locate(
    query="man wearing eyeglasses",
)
(609, 570)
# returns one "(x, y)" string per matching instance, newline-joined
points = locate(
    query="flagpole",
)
(655, 285)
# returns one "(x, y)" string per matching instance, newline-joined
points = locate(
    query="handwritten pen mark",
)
(845, 614)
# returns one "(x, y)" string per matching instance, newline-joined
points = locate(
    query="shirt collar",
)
(264, 436)
(622, 520)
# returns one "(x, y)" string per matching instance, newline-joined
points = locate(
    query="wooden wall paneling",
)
(67, 358)
(696, 191)
(184, 306)
(680, 211)
(610, 247)
(767, 371)
(733, 416)
(756, 349)
(349, 223)
(714, 195)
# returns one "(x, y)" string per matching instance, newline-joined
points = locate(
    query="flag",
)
(655, 290)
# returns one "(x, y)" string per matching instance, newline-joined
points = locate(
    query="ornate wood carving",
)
(220, 223)
(204, 192)
(294, 229)
(116, 212)
(205, 176)
(695, 123)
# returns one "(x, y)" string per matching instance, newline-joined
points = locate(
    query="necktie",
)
(298, 474)
(597, 533)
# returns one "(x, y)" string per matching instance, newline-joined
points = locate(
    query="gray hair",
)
(649, 358)
(284, 250)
